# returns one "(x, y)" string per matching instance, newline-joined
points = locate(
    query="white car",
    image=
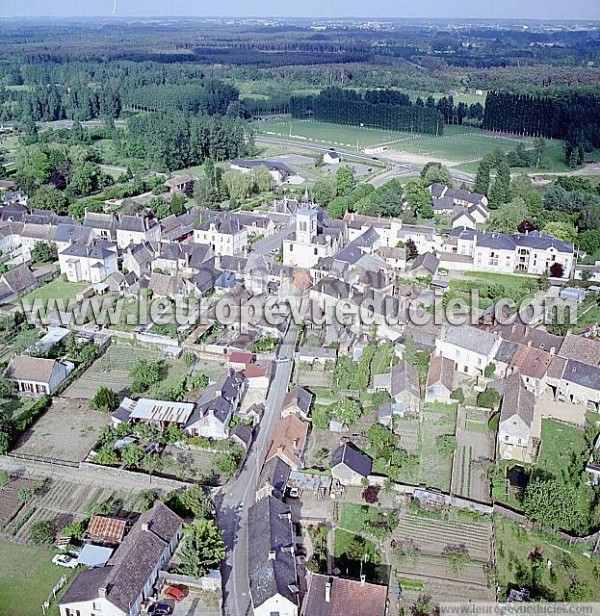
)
(64, 560)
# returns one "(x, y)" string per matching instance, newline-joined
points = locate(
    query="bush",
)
(489, 398)
(105, 399)
(42, 533)
(458, 395)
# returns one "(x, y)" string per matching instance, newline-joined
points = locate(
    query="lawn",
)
(492, 286)
(515, 546)
(57, 289)
(355, 516)
(348, 550)
(559, 443)
(435, 468)
(27, 581)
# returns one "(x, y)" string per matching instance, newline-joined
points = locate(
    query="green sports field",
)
(459, 144)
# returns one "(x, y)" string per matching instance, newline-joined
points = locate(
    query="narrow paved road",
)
(396, 168)
(236, 498)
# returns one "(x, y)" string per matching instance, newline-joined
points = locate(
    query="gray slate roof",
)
(470, 338)
(349, 455)
(271, 561)
(133, 563)
(518, 400)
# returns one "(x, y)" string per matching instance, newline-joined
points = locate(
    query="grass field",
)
(459, 144)
(514, 547)
(26, 579)
(57, 289)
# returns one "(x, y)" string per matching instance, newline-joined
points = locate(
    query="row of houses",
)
(273, 571)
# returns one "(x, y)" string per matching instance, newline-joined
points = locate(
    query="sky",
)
(500, 9)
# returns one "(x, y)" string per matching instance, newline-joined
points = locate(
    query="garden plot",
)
(63, 501)
(408, 431)
(435, 466)
(474, 453)
(112, 370)
(424, 551)
(10, 501)
(433, 535)
(65, 432)
(307, 375)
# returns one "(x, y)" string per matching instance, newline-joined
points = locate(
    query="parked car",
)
(160, 609)
(65, 560)
(177, 593)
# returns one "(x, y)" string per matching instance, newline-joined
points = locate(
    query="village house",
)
(225, 235)
(470, 348)
(138, 258)
(297, 402)
(516, 421)
(349, 465)
(273, 478)
(439, 380)
(288, 441)
(128, 579)
(16, 281)
(213, 412)
(402, 383)
(136, 230)
(37, 376)
(272, 569)
(89, 263)
(335, 596)
(181, 184)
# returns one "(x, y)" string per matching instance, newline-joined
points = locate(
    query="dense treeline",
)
(90, 90)
(572, 116)
(174, 140)
(350, 107)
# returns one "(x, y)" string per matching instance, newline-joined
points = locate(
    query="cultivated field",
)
(423, 554)
(66, 432)
(62, 501)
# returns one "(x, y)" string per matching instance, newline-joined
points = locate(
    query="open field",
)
(27, 582)
(66, 431)
(458, 148)
(57, 289)
(435, 469)
(355, 137)
(515, 547)
(112, 370)
(458, 145)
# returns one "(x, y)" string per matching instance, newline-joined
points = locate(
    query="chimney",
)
(363, 579)
(272, 555)
(145, 526)
(102, 591)
(296, 443)
(328, 592)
